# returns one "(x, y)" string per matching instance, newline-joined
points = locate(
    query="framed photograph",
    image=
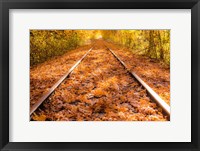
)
(99, 75)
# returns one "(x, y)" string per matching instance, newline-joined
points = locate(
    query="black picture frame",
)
(5, 5)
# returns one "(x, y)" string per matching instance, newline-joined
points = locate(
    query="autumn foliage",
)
(99, 88)
(45, 44)
(152, 43)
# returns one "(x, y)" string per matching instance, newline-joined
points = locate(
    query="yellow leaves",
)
(88, 101)
(110, 83)
(142, 101)
(123, 109)
(99, 92)
(103, 84)
(165, 96)
(44, 76)
(154, 74)
(45, 44)
(122, 98)
(38, 117)
(152, 43)
(113, 80)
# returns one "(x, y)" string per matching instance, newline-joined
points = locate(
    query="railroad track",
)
(150, 91)
(154, 96)
(52, 89)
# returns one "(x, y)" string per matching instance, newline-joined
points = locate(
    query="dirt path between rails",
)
(99, 89)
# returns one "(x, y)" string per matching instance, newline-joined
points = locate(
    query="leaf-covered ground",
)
(99, 88)
(155, 74)
(45, 75)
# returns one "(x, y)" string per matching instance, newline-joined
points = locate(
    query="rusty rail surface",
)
(50, 91)
(150, 91)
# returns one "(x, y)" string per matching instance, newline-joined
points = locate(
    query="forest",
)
(45, 44)
(99, 75)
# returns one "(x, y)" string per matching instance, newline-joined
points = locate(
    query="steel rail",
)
(150, 91)
(50, 91)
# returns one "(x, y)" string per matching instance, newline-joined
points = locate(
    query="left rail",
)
(51, 90)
